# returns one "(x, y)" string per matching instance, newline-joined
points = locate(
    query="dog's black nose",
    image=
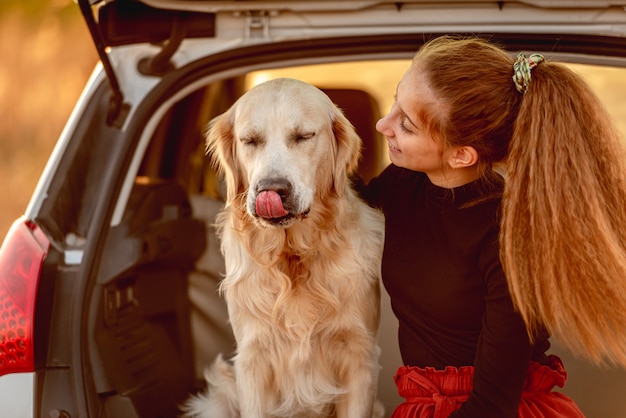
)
(279, 185)
(271, 197)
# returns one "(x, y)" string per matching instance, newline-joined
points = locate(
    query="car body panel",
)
(17, 394)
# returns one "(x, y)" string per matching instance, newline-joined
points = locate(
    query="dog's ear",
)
(220, 146)
(347, 149)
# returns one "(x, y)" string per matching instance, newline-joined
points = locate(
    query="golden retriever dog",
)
(302, 255)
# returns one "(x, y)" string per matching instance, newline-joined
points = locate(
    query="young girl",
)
(482, 268)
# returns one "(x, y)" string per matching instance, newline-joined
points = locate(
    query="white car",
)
(108, 306)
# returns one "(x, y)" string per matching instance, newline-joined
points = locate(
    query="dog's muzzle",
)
(274, 202)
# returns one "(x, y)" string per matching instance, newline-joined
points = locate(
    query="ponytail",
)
(563, 228)
(563, 231)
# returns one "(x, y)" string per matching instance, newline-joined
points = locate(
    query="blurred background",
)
(46, 57)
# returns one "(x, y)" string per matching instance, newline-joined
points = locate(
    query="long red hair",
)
(563, 228)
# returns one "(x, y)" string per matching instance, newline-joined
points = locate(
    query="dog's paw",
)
(220, 398)
(379, 410)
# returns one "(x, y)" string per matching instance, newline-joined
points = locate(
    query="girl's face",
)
(410, 144)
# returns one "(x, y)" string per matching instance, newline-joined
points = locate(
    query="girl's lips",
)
(392, 148)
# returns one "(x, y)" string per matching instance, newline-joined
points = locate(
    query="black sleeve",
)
(373, 192)
(504, 350)
(359, 186)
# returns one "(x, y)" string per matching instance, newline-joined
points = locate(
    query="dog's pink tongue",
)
(270, 205)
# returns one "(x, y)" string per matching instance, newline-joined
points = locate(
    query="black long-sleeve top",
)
(442, 270)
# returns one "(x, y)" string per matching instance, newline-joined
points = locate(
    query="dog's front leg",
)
(254, 384)
(361, 384)
(359, 402)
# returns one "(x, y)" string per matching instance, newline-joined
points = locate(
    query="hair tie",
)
(521, 70)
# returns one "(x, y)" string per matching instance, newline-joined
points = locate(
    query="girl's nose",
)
(382, 125)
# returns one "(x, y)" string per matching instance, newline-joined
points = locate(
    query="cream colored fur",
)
(302, 290)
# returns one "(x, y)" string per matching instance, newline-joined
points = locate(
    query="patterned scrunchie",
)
(521, 70)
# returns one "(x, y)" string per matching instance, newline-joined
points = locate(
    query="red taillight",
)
(21, 259)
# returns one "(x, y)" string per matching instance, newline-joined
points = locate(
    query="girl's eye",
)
(403, 127)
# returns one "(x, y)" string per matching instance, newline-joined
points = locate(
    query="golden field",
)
(46, 57)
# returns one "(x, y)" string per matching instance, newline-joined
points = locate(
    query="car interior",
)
(160, 319)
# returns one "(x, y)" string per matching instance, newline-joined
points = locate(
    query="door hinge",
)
(118, 108)
(258, 24)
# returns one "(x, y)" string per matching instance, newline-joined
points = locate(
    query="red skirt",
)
(431, 393)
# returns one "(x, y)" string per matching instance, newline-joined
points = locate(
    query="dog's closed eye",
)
(252, 139)
(302, 136)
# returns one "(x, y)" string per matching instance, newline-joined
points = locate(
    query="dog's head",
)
(282, 147)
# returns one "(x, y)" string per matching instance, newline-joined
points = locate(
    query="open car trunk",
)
(129, 206)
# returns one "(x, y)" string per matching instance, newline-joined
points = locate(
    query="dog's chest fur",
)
(297, 293)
